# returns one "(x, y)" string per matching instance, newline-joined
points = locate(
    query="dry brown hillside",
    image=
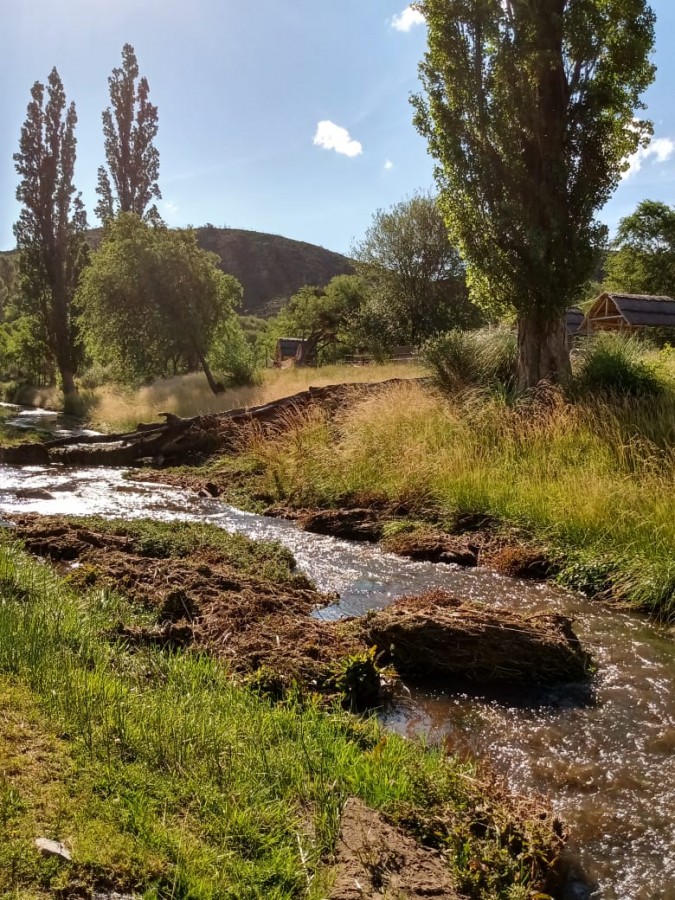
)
(270, 268)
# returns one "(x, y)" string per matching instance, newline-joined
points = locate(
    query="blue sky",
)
(288, 116)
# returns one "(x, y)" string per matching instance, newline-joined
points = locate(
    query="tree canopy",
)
(529, 111)
(152, 300)
(415, 277)
(642, 260)
(50, 229)
(129, 184)
(323, 317)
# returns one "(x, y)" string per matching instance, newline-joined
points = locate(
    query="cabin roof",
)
(573, 319)
(645, 309)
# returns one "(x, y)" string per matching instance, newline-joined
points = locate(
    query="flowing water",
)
(58, 424)
(605, 756)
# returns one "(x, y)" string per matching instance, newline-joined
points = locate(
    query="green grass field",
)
(593, 480)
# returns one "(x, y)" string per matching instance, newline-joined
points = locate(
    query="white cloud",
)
(171, 208)
(407, 19)
(661, 150)
(388, 165)
(333, 137)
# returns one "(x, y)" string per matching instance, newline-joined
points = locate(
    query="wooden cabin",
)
(630, 313)
(289, 351)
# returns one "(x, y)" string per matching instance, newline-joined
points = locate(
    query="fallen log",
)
(438, 635)
(178, 439)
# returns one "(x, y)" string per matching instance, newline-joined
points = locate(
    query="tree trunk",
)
(543, 351)
(215, 386)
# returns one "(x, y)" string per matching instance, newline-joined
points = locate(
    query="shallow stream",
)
(605, 757)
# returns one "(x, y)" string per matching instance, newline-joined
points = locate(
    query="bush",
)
(485, 358)
(231, 355)
(616, 364)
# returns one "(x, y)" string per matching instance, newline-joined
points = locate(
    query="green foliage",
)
(50, 229)
(152, 300)
(358, 680)
(129, 129)
(414, 276)
(162, 540)
(530, 115)
(485, 358)
(326, 318)
(232, 356)
(643, 257)
(616, 364)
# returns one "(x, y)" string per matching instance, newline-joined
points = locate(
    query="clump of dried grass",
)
(437, 634)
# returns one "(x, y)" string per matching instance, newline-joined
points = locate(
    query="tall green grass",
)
(202, 789)
(594, 479)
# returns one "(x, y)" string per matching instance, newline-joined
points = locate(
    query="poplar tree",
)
(529, 112)
(129, 183)
(50, 229)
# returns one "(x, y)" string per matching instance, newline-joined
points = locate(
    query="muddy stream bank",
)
(606, 757)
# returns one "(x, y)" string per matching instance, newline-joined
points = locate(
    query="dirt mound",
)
(433, 546)
(350, 524)
(438, 634)
(258, 626)
(377, 861)
(519, 561)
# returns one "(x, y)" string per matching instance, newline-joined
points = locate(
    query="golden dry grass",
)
(115, 408)
(595, 479)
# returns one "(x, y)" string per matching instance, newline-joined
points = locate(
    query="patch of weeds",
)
(395, 527)
(358, 680)
(182, 540)
(589, 574)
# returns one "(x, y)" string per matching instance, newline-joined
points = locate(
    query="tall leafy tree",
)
(529, 111)
(152, 300)
(415, 276)
(129, 183)
(322, 317)
(643, 257)
(50, 229)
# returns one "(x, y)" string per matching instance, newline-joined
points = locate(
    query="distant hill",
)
(270, 268)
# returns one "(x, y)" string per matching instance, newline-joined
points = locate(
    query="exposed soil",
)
(379, 862)
(256, 625)
(436, 547)
(483, 545)
(266, 629)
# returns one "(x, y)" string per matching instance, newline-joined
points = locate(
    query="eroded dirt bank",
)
(205, 597)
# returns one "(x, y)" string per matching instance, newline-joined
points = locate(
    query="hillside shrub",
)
(484, 358)
(616, 364)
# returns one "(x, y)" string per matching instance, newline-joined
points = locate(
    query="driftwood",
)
(438, 635)
(178, 439)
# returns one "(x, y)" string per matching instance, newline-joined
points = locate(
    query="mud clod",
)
(379, 862)
(435, 547)
(439, 635)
